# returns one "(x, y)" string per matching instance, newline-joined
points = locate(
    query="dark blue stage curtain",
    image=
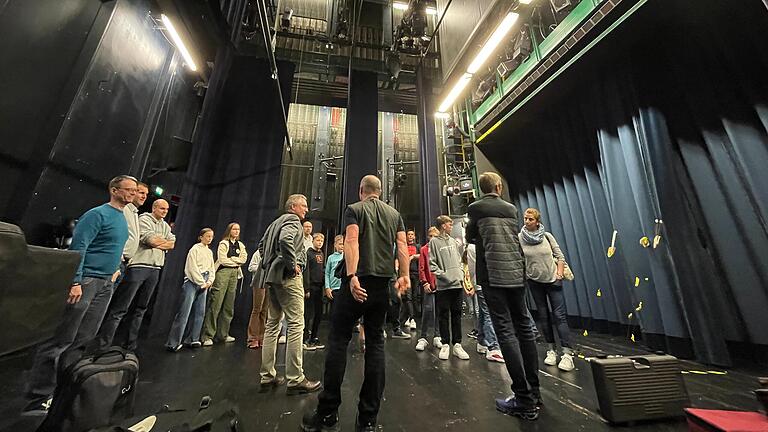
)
(234, 172)
(673, 128)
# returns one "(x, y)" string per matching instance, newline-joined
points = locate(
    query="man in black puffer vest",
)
(493, 228)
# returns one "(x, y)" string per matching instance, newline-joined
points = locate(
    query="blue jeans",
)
(136, 288)
(192, 306)
(77, 329)
(554, 292)
(485, 334)
(428, 314)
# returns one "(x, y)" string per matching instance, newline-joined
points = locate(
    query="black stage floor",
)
(422, 393)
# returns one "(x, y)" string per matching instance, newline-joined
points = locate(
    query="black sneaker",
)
(308, 346)
(37, 407)
(399, 334)
(316, 343)
(511, 406)
(472, 334)
(364, 427)
(313, 422)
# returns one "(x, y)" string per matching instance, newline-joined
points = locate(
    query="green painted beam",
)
(563, 68)
(581, 12)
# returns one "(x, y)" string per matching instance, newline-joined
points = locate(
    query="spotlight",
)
(393, 65)
(285, 19)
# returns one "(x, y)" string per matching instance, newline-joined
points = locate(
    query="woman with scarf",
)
(231, 254)
(544, 268)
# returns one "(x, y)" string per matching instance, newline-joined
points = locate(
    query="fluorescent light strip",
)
(455, 92)
(431, 11)
(493, 42)
(179, 44)
(526, 2)
(400, 6)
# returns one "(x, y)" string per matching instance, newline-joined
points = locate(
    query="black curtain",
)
(360, 137)
(673, 126)
(234, 172)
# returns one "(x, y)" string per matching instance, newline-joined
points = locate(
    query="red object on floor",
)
(702, 420)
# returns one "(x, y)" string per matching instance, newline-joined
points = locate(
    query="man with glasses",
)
(283, 261)
(99, 236)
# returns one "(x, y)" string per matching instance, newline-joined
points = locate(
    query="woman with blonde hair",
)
(231, 254)
(544, 270)
(198, 277)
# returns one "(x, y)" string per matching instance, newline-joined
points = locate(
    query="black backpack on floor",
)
(97, 390)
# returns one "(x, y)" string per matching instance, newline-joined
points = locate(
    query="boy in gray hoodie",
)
(445, 263)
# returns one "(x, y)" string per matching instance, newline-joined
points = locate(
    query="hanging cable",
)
(262, 9)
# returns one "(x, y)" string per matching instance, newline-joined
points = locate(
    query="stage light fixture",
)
(178, 42)
(498, 35)
(455, 92)
(400, 6)
(285, 19)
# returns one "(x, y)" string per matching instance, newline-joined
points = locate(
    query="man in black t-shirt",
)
(372, 231)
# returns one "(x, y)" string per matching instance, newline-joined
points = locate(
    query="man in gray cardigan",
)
(282, 264)
(493, 229)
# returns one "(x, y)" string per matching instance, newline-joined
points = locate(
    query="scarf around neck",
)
(533, 237)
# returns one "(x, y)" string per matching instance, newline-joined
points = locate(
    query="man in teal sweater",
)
(99, 236)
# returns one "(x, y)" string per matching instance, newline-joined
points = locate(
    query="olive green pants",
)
(221, 305)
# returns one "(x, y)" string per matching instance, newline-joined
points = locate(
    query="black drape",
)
(672, 125)
(234, 171)
(361, 136)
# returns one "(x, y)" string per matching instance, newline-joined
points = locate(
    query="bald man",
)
(142, 274)
(373, 232)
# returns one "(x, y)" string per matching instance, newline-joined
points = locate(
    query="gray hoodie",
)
(445, 262)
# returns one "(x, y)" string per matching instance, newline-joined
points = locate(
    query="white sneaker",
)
(421, 345)
(437, 342)
(445, 351)
(229, 339)
(551, 358)
(281, 339)
(459, 352)
(494, 356)
(481, 349)
(412, 324)
(207, 342)
(566, 363)
(145, 425)
(385, 333)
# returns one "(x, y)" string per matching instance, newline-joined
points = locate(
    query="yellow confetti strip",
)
(646, 279)
(697, 372)
(633, 337)
(629, 316)
(637, 281)
(599, 293)
(645, 242)
(581, 356)
(718, 372)
(684, 372)
(639, 307)
(586, 333)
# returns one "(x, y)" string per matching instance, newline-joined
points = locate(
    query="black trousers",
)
(514, 330)
(346, 312)
(313, 311)
(449, 309)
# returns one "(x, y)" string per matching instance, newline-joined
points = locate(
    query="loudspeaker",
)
(639, 388)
